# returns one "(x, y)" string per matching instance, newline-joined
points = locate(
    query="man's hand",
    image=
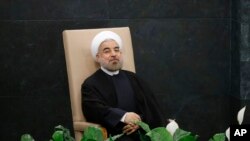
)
(130, 128)
(131, 117)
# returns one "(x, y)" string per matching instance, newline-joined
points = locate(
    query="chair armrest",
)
(82, 125)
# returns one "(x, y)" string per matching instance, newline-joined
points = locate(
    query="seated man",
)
(117, 98)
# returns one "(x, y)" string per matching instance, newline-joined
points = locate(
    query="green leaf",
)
(57, 136)
(188, 138)
(218, 137)
(62, 134)
(27, 137)
(67, 136)
(144, 126)
(113, 138)
(160, 134)
(110, 138)
(143, 137)
(92, 134)
(182, 135)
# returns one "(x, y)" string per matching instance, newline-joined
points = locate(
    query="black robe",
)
(100, 102)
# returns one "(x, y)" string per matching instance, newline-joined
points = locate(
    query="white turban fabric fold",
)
(102, 36)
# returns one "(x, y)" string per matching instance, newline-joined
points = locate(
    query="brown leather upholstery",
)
(80, 65)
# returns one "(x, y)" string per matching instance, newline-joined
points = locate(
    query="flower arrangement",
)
(171, 132)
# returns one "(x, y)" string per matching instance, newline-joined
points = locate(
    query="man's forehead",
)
(109, 44)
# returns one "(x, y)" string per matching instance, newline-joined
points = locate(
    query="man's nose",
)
(113, 53)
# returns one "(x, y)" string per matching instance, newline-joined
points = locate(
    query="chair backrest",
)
(80, 63)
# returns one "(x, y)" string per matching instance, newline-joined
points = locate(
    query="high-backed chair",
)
(80, 65)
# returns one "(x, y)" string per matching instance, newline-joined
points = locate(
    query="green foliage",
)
(182, 135)
(95, 134)
(57, 136)
(144, 126)
(218, 137)
(159, 134)
(143, 137)
(61, 134)
(27, 137)
(92, 134)
(156, 134)
(114, 137)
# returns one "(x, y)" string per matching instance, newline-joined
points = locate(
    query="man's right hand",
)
(131, 117)
(130, 128)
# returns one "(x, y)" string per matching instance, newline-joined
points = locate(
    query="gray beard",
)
(113, 67)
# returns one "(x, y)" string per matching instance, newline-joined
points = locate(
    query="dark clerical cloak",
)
(103, 105)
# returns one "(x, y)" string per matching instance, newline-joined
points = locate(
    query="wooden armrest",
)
(81, 125)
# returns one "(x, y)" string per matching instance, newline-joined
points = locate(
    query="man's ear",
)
(97, 57)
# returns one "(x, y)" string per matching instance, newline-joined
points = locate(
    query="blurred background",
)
(195, 55)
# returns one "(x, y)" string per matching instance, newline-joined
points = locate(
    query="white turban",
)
(102, 36)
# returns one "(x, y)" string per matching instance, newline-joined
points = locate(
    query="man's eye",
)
(117, 49)
(106, 51)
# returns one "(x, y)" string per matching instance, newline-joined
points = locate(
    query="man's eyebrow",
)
(106, 48)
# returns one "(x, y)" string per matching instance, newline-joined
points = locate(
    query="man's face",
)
(109, 55)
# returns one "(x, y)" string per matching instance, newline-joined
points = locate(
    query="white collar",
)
(111, 73)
